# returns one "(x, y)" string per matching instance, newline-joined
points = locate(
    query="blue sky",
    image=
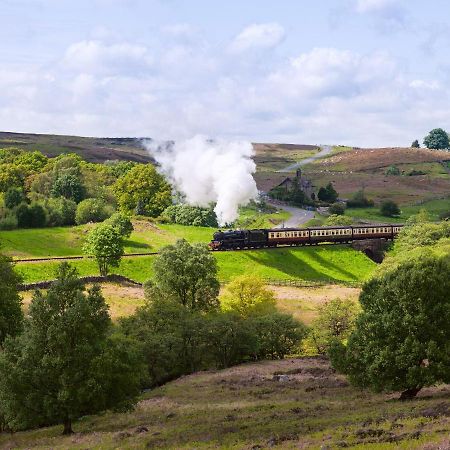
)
(359, 72)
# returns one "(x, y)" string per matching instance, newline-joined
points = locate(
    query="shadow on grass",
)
(330, 265)
(136, 245)
(291, 263)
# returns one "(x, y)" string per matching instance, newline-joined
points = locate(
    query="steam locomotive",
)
(240, 239)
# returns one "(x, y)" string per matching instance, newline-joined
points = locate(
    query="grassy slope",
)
(322, 263)
(243, 407)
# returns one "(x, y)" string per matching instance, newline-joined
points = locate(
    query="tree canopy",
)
(142, 190)
(437, 139)
(65, 364)
(11, 316)
(402, 337)
(105, 243)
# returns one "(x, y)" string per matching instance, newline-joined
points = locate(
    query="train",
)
(265, 238)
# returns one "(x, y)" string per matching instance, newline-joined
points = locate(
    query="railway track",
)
(134, 255)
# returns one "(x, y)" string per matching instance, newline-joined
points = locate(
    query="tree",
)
(69, 186)
(105, 244)
(402, 337)
(335, 220)
(389, 208)
(415, 144)
(172, 338)
(65, 365)
(437, 139)
(359, 200)
(335, 321)
(122, 223)
(247, 295)
(337, 208)
(278, 334)
(190, 215)
(92, 210)
(328, 193)
(31, 216)
(230, 339)
(14, 197)
(144, 190)
(187, 274)
(11, 316)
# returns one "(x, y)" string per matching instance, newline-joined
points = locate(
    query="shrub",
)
(337, 209)
(14, 197)
(359, 200)
(247, 295)
(415, 144)
(92, 210)
(392, 170)
(8, 221)
(190, 215)
(278, 334)
(60, 211)
(335, 321)
(122, 223)
(30, 216)
(414, 173)
(335, 220)
(389, 209)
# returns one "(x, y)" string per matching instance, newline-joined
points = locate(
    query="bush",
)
(122, 223)
(8, 221)
(392, 170)
(337, 209)
(335, 321)
(60, 211)
(92, 210)
(359, 200)
(414, 173)
(14, 197)
(335, 220)
(415, 144)
(30, 216)
(190, 215)
(278, 334)
(389, 209)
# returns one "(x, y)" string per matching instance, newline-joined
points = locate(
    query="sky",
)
(350, 72)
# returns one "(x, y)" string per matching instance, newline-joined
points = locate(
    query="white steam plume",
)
(206, 171)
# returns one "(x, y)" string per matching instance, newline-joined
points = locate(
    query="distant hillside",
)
(90, 148)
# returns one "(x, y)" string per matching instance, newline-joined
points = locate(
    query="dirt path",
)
(325, 151)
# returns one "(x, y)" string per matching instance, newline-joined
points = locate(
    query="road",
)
(325, 150)
(300, 216)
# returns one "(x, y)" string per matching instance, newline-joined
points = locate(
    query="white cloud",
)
(258, 36)
(369, 6)
(96, 56)
(175, 90)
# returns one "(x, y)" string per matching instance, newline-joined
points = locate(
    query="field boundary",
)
(293, 282)
(112, 278)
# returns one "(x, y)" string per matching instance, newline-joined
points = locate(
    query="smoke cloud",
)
(207, 170)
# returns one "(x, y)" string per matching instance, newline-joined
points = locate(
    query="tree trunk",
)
(410, 393)
(67, 426)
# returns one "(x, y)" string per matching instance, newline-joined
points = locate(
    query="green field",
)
(333, 263)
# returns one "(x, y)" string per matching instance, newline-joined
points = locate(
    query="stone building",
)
(299, 182)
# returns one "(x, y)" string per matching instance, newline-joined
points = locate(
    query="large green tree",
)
(402, 337)
(437, 139)
(11, 316)
(66, 365)
(105, 244)
(187, 274)
(142, 190)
